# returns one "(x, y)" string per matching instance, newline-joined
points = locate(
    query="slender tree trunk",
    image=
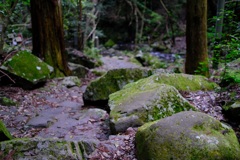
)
(80, 32)
(218, 35)
(2, 33)
(196, 35)
(48, 36)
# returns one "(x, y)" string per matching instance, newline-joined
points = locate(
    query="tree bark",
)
(218, 34)
(80, 32)
(196, 38)
(48, 36)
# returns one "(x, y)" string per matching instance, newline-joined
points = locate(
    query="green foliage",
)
(94, 53)
(203, 68)
(153, 61)
(228, 48)
(110, 43)
(7, 102)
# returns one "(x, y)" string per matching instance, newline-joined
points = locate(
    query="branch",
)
(8, 76)
(164, 7)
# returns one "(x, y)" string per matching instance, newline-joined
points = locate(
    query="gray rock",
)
(140, 102)
(78, 57)
(71, 81)
(113, 81)
(187, 135)
(78, 70)
(46, 149)
(84, 124)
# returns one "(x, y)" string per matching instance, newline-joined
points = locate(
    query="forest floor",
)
(38, 109)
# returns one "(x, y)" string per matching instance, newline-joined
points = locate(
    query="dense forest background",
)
(93, 25)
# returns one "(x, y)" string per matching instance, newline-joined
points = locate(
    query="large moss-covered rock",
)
(50, 149)
(113, 81)
(187, 135)
(141, 102)
(4, 133)
(182, 82)
(28, 67)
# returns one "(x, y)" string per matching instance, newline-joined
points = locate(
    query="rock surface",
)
(187, 135)
(79, 57)
(39, 149)
(112, 81)
(141, 102)
(78, 70)
(182, 82)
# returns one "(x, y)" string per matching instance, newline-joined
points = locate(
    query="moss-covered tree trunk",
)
(48, 36)
(196, 35)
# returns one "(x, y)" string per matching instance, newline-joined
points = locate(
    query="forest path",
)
(55, 111)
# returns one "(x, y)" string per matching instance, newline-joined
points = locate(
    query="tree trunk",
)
(80, 32)
(218, 34)
(196, 38)
(48, 37)
(2, 33)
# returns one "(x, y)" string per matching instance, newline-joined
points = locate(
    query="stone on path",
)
(46, 149)
(141, 102)
(112, 81)
(27, 68)
(187, 135)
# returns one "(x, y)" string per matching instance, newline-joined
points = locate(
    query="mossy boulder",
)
(112, 81)
(141, 102)
(187, 135)
(39, 149)
(4, 133)
(182, 82)
(28, 67)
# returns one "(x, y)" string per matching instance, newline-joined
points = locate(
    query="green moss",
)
(113, 81)
(110, 43)
(153, 61)
(146, 101)
(7, 102)
(184, 82)
(4, 133)
(166, 139)
(27, 66)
